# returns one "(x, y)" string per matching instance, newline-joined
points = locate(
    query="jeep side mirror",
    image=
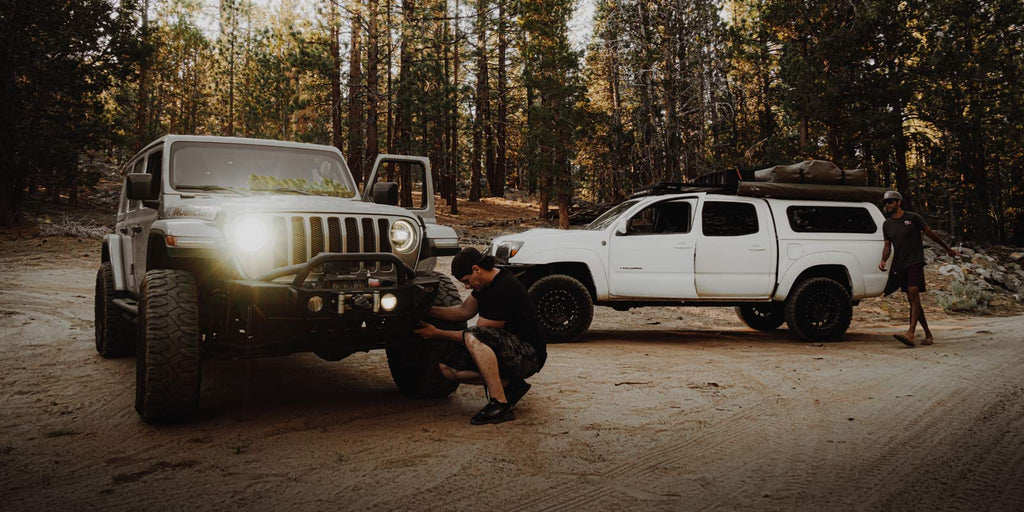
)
(140, 187)
(385, 192)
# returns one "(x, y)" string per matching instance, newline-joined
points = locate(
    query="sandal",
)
(927, 341)
(904, 339)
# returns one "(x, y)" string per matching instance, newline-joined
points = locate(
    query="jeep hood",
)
(232, 205)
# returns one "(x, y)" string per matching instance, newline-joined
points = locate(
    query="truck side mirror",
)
(385, 192)
(140, 187)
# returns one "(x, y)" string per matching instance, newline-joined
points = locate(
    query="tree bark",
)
(372, 62)
(481, 99)
(337, 139)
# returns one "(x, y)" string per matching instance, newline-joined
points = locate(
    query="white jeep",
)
(236, 248)
(805, 262)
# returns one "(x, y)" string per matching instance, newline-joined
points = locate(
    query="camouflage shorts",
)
(516, 358)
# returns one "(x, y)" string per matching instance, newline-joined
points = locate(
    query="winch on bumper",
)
(347, 307)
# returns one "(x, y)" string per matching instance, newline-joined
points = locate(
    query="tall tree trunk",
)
(900, 156)
(141, 113)
(355, 108)
(481, 99)
(404, 136)
(453, 189)
(497, 185)
(11, 195)
(337, 139)
(372, 62)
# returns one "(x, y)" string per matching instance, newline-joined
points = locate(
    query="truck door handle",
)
(756, 248)
(684, 245)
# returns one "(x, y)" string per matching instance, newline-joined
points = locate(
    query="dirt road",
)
(664, 409)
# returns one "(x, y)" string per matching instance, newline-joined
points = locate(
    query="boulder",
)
(952, 270)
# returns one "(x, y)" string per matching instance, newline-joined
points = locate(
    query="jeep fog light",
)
(403, 236)
(315, 304)
(388, 302)
(249, 234)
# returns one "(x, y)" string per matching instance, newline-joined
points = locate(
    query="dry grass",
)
(67, 226)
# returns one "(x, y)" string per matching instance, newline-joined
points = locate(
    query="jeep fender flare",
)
(554, 257)
(825, 261)
(112, 252)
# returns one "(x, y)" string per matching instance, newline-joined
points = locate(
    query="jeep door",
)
(125, 211)
(415, 183)
(140, 217)
(736, 250)
(651, 253)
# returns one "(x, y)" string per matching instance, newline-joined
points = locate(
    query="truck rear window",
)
(830, 219)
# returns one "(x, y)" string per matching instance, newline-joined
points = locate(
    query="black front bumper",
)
(274, 317)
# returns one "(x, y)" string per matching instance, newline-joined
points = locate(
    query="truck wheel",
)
(819, 309)
(564, 307)
(762, 317)
(167, 363)
(115, 335)
(413, 363)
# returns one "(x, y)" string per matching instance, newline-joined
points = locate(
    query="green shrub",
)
(964, 298)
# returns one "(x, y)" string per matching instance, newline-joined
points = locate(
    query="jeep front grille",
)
(296, 239)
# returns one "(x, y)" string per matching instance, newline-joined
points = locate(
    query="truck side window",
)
(830, 219)
(671, 217)
(720, 218)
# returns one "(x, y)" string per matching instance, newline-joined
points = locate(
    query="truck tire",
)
(115, 335)
(564, 307)
(819, 309)
(414, 362)
(762, 317)
(168, 362)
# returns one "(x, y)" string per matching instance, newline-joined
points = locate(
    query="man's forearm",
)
(451, 313)
(453, 336)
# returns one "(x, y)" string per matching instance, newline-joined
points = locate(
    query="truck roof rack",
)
(660, 189)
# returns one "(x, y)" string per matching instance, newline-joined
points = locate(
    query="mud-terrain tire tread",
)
(804, 295)
(576, 293)
(755, 316)
(115, 334)
(168, 361)
(413, 364)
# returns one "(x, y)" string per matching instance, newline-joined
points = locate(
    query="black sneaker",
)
(493, 412)
(515, 391)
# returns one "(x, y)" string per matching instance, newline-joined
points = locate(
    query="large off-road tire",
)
(115, 334)
(819, 309)
(168, 361)
(414, 362)
(564, 307)
(762, 317)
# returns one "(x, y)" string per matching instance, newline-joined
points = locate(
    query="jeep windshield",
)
(255, 169)
(607, 218)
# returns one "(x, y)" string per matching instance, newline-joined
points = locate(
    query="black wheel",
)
(762, 317)
(564, 307)
(167, 364)
(819, 309)
(413, 362)
(115, 335)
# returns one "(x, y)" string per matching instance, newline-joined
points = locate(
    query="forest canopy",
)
(924, 94)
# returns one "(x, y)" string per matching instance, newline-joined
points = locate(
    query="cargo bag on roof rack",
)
(818, 172)
(809, 192)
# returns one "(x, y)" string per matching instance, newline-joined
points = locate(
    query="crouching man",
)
(503, 348)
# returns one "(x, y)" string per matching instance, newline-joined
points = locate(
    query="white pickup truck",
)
(803, 262)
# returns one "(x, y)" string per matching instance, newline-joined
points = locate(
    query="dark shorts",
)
(911, 277)
(516, 358)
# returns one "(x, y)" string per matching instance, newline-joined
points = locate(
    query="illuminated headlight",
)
(506, 250)
(249, 235)
(388, 302)
(403, 236)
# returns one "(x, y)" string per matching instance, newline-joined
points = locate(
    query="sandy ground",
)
(659, 409)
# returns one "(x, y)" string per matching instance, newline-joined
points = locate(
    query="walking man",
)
(503, 348)
(903, 230)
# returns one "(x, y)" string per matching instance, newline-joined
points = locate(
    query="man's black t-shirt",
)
(905, 235)
(506, 299)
